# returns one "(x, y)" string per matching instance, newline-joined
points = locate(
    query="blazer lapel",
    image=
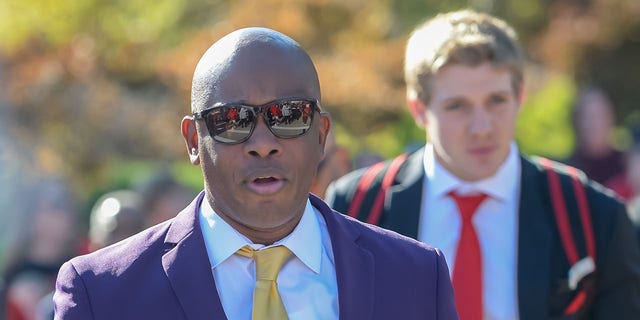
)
(403, 211)
(534, 244)
(353, 264)
(187, 266)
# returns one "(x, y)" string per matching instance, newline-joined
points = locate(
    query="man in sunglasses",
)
(255, 244)
(526, 238)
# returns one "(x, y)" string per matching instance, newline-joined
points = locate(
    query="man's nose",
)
(480, 122)
(262, 143)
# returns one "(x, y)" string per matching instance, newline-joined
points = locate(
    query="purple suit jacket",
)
(164, 273)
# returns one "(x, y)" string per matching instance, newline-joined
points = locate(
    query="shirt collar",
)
(223, 240)
(499, 186)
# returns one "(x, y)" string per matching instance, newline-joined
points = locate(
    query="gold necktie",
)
(267, 303)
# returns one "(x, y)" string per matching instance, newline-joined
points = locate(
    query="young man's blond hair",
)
(462, 37)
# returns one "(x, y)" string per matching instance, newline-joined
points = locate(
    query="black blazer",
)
(543, 292)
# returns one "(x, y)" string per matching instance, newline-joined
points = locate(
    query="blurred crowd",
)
(595, 153)
(48, 230)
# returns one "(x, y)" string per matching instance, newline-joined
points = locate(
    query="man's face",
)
(263, 183)
(470, 119)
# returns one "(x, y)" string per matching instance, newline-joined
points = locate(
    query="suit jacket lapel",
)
(403, 211)
(187, 266)
(534, 244)
(353, 264)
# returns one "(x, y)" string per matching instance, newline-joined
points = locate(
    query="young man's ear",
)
(418, 109)
(521, 96)
(190, 135)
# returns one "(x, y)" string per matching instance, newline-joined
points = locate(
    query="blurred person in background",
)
(12, 181)
(627, 183)
(335, 163)
(162, 197)
(593, 120)
(471, 193)
(48, 239)
(27, 289)
(115, 215)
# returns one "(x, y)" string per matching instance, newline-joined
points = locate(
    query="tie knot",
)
(467, 204)
(268, 261)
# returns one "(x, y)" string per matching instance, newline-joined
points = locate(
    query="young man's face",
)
(470, 119)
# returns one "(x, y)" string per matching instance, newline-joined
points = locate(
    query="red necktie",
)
(467, 272)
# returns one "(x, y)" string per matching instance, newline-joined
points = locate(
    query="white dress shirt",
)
(307, 281)
(495, 221)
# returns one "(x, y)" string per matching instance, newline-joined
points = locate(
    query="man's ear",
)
(325, 127)
(418, 110)
(190, 135)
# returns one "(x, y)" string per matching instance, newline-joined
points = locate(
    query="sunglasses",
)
(234, 123)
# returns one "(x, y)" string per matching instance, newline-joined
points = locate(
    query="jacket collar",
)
(535, 245)
(354, 264)
(401, 201)
(187, 266)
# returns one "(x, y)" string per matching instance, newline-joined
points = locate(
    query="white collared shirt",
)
(307, 281)
(496, 223)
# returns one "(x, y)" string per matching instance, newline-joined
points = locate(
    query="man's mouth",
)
(482, 151)
(266, 185)
(261, 180)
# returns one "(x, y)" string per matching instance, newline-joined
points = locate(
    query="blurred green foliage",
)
(543, 126)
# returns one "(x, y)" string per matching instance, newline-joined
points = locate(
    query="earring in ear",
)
(194, 151)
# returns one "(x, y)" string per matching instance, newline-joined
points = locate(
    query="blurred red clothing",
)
(621, 186)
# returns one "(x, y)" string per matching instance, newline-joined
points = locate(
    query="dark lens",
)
(230, 124)
(295, 118)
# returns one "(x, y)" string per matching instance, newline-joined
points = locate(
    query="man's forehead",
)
(255, 72)
(230, 46)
